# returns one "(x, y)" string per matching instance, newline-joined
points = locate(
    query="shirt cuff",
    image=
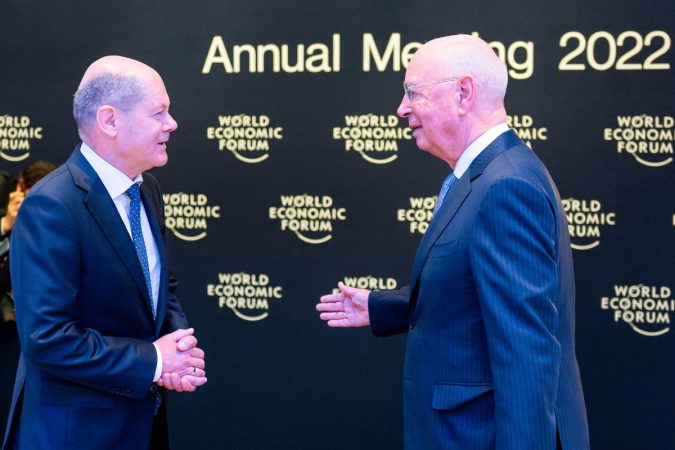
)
(158, 368)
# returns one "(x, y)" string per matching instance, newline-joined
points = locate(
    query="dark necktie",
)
(137, 235)
(448, 183)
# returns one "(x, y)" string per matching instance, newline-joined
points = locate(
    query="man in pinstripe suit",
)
(489, 311)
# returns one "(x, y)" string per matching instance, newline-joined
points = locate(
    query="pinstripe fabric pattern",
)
(490, 362)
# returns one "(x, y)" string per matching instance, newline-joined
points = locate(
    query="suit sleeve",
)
(389, 311)
(513, 259)
(46, 270)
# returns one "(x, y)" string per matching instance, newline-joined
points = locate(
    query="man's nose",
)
(404, 108)
(171, 124)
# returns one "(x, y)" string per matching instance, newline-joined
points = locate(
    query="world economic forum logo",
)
(16, 136)
(247, 137)
(375, 138)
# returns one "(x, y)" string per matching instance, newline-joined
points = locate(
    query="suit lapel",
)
(455, 199)
(439, 222)
(105, 213)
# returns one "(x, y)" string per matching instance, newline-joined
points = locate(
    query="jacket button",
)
(153, 387)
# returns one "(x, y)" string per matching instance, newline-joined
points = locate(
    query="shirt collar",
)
(115, 182)
(476, 147)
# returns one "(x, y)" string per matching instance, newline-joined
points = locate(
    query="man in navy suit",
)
(489, 311)
(99, 324)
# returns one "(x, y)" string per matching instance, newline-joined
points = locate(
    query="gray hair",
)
(120, 91)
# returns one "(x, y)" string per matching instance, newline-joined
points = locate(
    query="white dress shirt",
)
(476, 147)
(117, 183)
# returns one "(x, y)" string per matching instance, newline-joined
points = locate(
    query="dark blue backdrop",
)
(591, 86)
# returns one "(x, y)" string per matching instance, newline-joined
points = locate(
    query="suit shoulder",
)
(54, 182)
(518, 162)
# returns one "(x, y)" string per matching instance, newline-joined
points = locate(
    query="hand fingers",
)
(166, 381)
(196, 352)
(340, 323)
(180, 334)
(197, 363)
(333, 316)
(327, 307)
(195, 380)
(347, 290)
(187, 342)
(330, 298)
(186, 386)
(193, 372)
(175, 381)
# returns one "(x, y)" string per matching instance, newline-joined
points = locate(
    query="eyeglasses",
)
(412, 90)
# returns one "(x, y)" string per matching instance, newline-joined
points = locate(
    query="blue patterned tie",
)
(447, 185)
(137, 235)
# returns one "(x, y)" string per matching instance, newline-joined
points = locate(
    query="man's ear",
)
(467, 94)
(106, 120)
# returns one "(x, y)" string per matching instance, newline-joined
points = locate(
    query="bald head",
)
(454, 92)
(458, 55)
(111, 80)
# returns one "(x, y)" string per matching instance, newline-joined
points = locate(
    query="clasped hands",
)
(182, 361)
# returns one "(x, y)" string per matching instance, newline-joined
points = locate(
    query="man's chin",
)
(160, 160)
(422, 144)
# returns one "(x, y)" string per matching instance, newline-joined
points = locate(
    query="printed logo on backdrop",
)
(369, 282)
(309, 217)
(418, 214)
(585, 220)
(188, 215)
(16, 136)
(648, 139)
(374, 138)
(247, 137)
(526, 130)
(249, 296)
(646, 309)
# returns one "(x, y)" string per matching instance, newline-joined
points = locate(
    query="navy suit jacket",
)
(84, 317)
(490, 360)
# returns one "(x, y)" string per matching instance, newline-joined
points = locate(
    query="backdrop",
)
(290, 171)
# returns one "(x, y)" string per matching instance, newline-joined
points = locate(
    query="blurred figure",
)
(9, 339)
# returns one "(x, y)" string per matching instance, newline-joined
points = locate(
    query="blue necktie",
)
(447, 185)
(137, 235)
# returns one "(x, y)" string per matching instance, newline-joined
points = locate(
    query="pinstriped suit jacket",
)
(490, 360)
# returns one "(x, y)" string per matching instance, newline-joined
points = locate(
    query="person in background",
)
(9, 340)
